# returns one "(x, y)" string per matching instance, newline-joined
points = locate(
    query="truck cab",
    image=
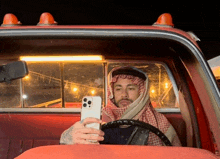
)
(66, 63)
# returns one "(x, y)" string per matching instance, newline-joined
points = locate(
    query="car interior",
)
(36, 109)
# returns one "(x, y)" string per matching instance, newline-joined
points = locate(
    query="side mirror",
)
(13, 70)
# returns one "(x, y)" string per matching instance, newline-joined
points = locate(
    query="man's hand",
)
(79, 134)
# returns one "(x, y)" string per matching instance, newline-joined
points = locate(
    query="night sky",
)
(203, 18)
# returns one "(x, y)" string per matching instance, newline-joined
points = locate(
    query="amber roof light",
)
(164, 20)
(10, 20)
(46, 19)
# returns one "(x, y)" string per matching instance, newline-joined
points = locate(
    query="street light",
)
(24, 96)
(26, 77)
(159, 67)
(75, 89)
(152, 91)
(166, 85)
(93, 92)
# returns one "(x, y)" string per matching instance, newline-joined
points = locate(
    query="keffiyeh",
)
(141, 109)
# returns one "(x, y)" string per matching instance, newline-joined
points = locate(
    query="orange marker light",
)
(165, 20)
(46, 19)
(10, 20)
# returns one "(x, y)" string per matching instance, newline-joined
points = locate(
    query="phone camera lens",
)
(84, 105)
(89, 102)
(85, 99)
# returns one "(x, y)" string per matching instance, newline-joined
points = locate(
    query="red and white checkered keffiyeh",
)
(141, 109)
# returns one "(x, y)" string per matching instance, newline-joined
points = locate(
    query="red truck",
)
(66, 63)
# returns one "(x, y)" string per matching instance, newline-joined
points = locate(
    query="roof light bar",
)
(61, 58)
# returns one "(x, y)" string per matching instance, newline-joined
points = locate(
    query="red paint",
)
(116, 152)
(45, 126)
(204, 129)
(67, 105)
(21, 132)
(35, 126)
(204, 108)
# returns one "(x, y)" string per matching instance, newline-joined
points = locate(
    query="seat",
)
(179, 125)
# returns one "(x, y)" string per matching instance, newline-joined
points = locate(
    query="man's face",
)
(125, 92)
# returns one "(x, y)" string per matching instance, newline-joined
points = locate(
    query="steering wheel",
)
(141, 124)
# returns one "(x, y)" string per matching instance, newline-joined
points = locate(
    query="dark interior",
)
(109, 47)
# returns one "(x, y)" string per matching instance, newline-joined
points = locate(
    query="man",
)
(128, 98)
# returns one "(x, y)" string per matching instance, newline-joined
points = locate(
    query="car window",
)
(42, 87)
(50, 82)
(82, 80)
(47, 84)
(10, 94)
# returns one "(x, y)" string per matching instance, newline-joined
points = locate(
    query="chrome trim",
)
(168, 110)
(68, 110)
(40, 110)
(175, 88)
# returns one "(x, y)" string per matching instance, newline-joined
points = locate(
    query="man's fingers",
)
(86, 142)
(91, 137)
(90, 120)
(90, 131)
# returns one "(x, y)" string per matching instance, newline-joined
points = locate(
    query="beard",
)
(123, 102)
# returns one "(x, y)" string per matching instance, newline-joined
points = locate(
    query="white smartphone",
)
(91, 107)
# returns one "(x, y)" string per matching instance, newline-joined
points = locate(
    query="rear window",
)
(63, 84)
